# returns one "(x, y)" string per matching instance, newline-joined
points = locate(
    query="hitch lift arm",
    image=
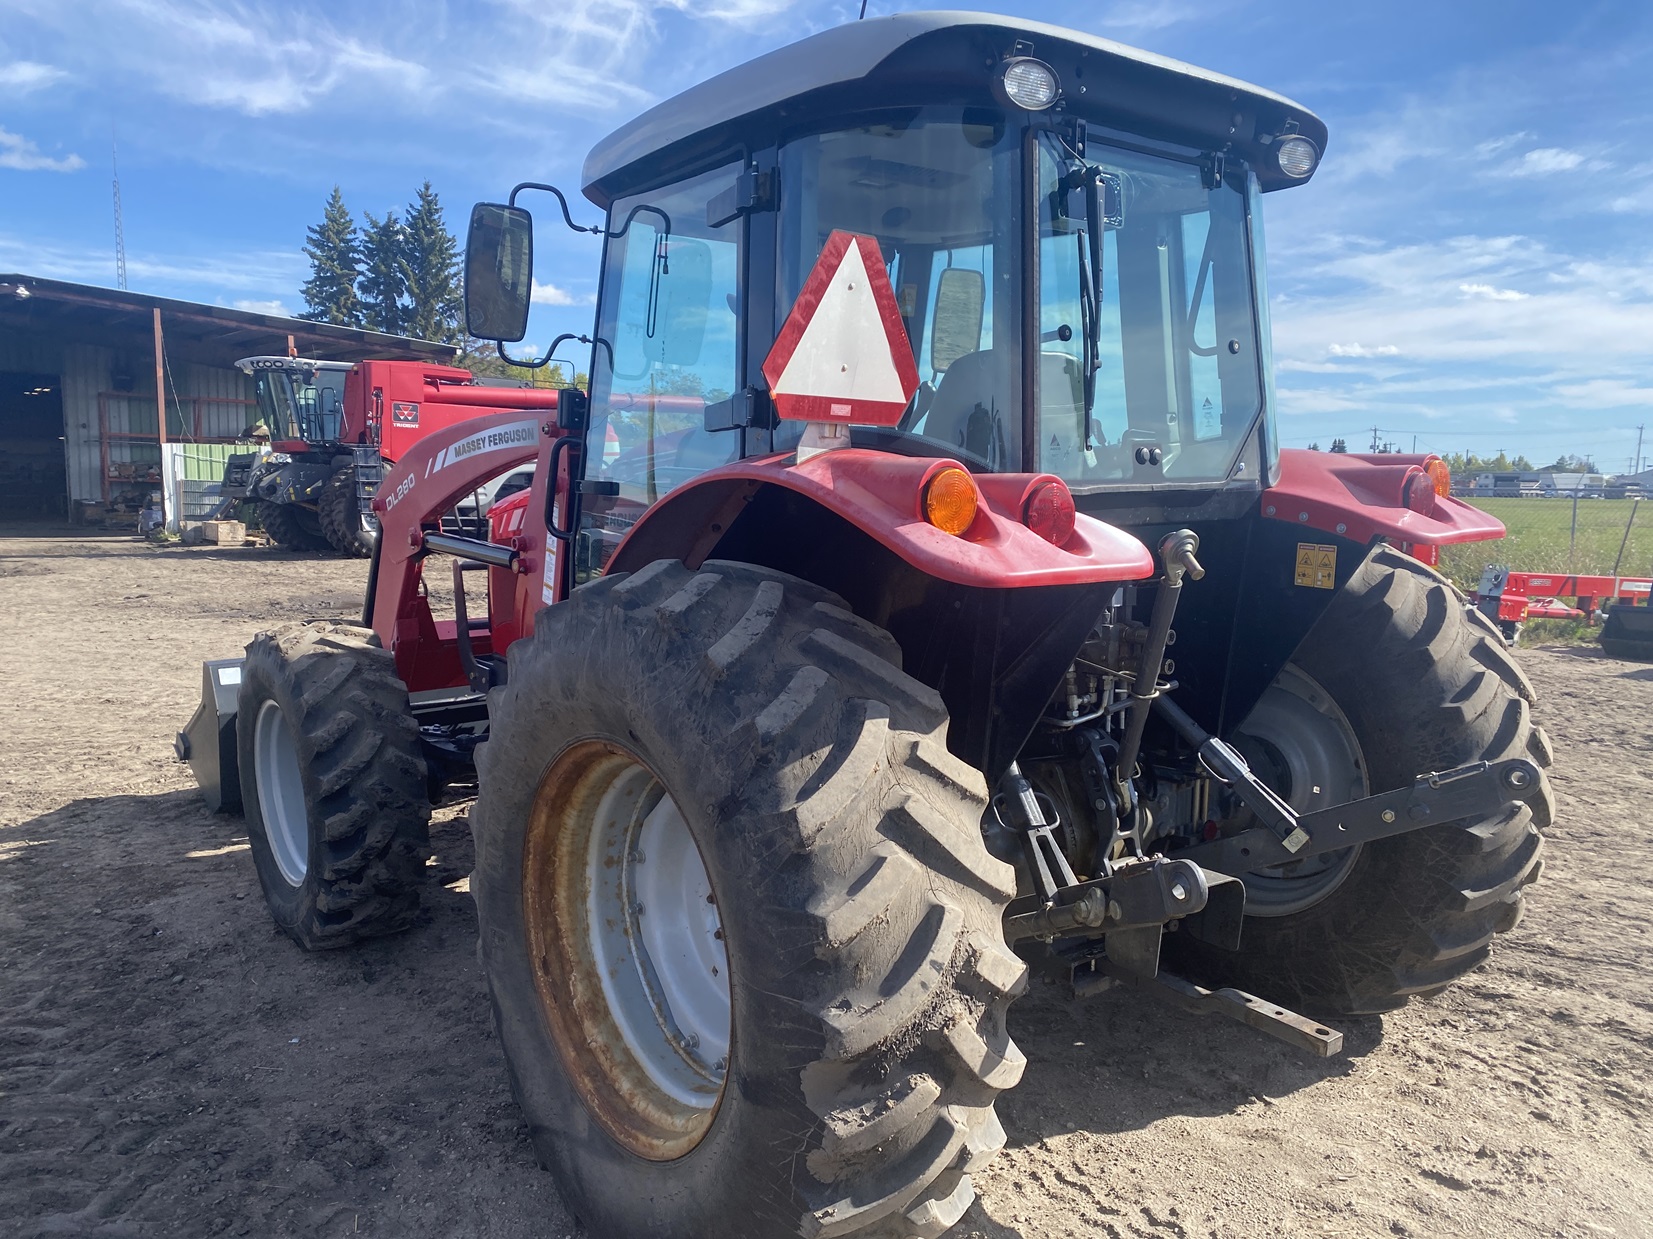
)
(1444, 796)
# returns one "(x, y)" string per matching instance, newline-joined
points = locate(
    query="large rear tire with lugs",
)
(291, 527)
(333, 783)
(1397, 679)
(338, 509)
(741, 933)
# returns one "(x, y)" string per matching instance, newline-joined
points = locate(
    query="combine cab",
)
(822, 683)
(326, 431)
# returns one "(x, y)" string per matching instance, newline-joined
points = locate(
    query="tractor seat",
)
(701, 450)
(964, 412)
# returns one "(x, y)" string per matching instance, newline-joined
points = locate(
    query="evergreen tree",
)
(431, 272)
(384, 274)
(334, 250)
(1338, 445)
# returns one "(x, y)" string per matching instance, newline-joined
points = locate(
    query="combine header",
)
(922, 597)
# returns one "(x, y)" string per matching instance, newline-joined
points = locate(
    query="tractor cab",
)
(1071, 228)
(299, 400)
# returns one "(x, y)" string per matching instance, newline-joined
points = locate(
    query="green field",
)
(1541, 539)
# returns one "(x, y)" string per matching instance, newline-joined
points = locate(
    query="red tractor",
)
(332, 428)
(824, 683)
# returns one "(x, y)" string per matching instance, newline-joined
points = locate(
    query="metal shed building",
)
(83, 371)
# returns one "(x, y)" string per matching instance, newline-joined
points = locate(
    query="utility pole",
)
(120, 233)
(1637, 468)
(1376, 444)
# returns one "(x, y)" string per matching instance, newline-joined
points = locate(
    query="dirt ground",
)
(169, 1066)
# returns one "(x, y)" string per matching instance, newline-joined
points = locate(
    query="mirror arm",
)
(594, 229)
(635, 211)
(541, 362)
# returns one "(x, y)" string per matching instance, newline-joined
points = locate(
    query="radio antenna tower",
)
(120, 232)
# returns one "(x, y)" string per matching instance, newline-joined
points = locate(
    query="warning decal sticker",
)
(1316, 566)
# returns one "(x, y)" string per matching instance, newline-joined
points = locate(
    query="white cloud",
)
(1470, 352)
(1607, 394)
(263, 307)
(254, 274)
(1143, 16)
(263, 58)
(1491, 293)
(252, 59)
(1547, 161)
(21, 77)
(550, 294)
(22, 155)
(1360, 350)
(1497, 146)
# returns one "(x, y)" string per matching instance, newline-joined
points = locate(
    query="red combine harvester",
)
(823, 683)
(1510, 599)
(333, 429)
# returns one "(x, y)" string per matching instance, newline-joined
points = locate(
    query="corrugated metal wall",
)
(87, 370)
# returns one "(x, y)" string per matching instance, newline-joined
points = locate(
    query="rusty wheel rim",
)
(628, 952)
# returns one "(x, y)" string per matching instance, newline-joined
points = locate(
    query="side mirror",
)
(955, 328)
(499, 272)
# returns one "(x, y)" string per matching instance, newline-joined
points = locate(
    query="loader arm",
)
(428, 480)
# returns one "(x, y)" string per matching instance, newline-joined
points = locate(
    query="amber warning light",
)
(950, 501)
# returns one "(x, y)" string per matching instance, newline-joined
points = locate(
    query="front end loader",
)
(919, 598)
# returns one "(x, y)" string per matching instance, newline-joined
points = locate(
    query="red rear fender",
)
(1364, 497)
(882, 495)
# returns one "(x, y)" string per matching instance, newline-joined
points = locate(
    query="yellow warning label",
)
(1316, 566)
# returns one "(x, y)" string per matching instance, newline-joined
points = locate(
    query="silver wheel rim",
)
(626, 941)
(1301, 742)
(657, 939)
(281, 793)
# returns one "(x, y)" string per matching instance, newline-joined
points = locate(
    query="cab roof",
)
(948, 56)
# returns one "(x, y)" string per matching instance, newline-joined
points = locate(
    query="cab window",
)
(667, 348)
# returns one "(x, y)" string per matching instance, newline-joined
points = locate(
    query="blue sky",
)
(1473, 265)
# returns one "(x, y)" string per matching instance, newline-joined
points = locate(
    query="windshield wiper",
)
(1091, 179)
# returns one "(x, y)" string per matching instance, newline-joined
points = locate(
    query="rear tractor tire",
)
(333, 784)
(741, 932)
(1396, 680)
(291, 527)
(349, 532)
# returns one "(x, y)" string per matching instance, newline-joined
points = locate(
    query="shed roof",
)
(208, 334)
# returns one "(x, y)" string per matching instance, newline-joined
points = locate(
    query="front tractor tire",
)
(741, 932)
(346, 529)
(333, 784)
(291, 527)
(1396, 680)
